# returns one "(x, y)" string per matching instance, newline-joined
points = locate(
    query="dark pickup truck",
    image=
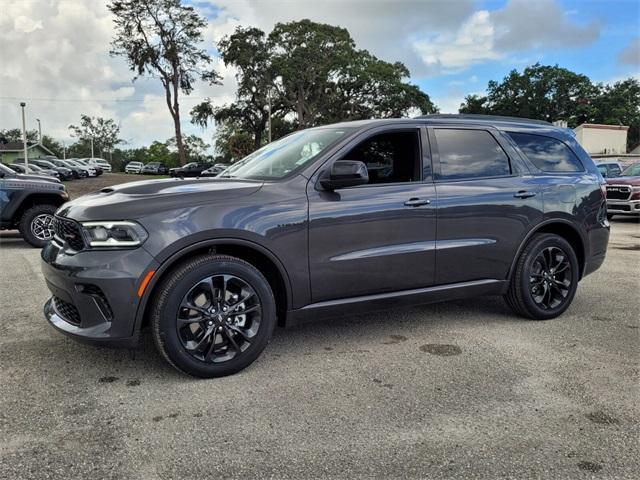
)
(28, 202)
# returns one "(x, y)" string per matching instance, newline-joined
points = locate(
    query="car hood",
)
(42, 178)
(635, 181)
(138, 199)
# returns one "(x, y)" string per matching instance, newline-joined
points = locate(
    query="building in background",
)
(12, 150)
(599, 139)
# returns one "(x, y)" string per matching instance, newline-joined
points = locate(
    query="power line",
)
(98, 100)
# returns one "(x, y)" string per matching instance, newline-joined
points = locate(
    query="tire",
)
(30, 224)
(185, 343)
(528, 284)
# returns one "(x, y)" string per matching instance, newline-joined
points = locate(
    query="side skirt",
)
(405, 298)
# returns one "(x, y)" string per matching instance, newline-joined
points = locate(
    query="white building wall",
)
(602, 138)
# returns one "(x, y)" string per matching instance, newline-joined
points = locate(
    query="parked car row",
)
(67, 169)
(193, 169)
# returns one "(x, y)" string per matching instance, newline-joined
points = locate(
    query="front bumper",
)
(623, 207)
(94, 293)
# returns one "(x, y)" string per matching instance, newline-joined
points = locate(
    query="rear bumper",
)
(623, 207)
(94, 293)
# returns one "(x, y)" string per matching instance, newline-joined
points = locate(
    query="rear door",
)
(487, 201)
(378, 237)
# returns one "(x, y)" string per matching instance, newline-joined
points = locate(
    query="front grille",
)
(68, 231)
(618, 192)
(66, 310)
(623, 208)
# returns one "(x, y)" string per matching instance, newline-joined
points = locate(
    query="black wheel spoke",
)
(550, 278)
(233, 342)
(230, 314)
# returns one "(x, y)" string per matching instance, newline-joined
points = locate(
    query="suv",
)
(154, 168)
(331, 220)
(99, 162)
(64, 173)
(193, 169)
(623, 192)
(28, 202)
(133, 167)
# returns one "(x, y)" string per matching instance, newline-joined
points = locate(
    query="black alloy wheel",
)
(544, 281)
(550, 278)
(218, 318)
(213, 315)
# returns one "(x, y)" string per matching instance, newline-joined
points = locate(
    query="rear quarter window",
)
(546, 153)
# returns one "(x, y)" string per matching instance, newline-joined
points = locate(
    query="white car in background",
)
(133, 167)
(91, 172)
(99, 162)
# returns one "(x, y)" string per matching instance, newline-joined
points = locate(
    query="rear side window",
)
(546, 153)
(470, 154)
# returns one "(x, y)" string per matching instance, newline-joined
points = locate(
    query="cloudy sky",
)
(54, 53)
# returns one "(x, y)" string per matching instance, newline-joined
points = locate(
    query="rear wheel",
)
(545, 280)
(36, 225)
(213, 316)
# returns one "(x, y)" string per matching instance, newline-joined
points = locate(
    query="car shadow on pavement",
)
(355, 334)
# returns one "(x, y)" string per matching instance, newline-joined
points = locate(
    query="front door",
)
(378, 237)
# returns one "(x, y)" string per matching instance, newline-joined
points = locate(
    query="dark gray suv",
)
(347, 217)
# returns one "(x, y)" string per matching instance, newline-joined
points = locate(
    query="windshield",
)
(278, 159)
(152, 164)
(71, 162)
(632, 171)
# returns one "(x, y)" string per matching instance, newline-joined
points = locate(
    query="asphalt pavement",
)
(455, 390)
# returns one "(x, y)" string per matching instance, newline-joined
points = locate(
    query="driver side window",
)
(392, 157)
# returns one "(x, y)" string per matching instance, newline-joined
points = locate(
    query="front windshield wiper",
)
(226, 176)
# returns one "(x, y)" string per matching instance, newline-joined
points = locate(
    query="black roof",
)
(482, 118)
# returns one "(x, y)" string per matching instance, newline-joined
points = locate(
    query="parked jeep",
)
(28, 202)
(331, 220)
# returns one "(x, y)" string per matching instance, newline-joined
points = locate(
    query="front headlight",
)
(114, 233)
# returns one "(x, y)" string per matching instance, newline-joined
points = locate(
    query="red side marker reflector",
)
(145, 282)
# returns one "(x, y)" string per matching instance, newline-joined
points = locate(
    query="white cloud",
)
(630, 55)
(471, 44)
(55, 54)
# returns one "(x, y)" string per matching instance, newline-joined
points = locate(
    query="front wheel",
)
(213, 316)
(36, 225)
(545, 279)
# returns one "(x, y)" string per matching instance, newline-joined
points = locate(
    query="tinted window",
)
(546, 153)
(390, 157)
(470, 154)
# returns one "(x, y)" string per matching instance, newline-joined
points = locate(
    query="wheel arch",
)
(33, 199)
(257, 255)
(563, 228)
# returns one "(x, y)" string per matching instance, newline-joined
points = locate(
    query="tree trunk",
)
(174, 109)
(300, 109)
(181, 153)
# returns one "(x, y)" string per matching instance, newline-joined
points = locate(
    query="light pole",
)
(39, 131)
(64, 151)
(24, 138)
(92, 147)
(269, 106)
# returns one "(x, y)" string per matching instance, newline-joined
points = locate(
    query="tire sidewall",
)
(531, 254)
(28, 218)
(169, 304)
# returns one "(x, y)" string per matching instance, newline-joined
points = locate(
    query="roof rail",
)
(475, 116)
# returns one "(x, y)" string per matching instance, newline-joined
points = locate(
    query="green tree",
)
(540, 92)
(15, 135)
(105, 133)
(160, 38)
(619, 104)
(194, 146)
(310, 74)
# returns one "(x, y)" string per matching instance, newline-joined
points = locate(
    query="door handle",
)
(416, 202)
(524, 194)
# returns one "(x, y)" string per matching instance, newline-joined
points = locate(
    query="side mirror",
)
(345, 173)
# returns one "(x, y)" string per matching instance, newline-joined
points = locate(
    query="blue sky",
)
(56, 52)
